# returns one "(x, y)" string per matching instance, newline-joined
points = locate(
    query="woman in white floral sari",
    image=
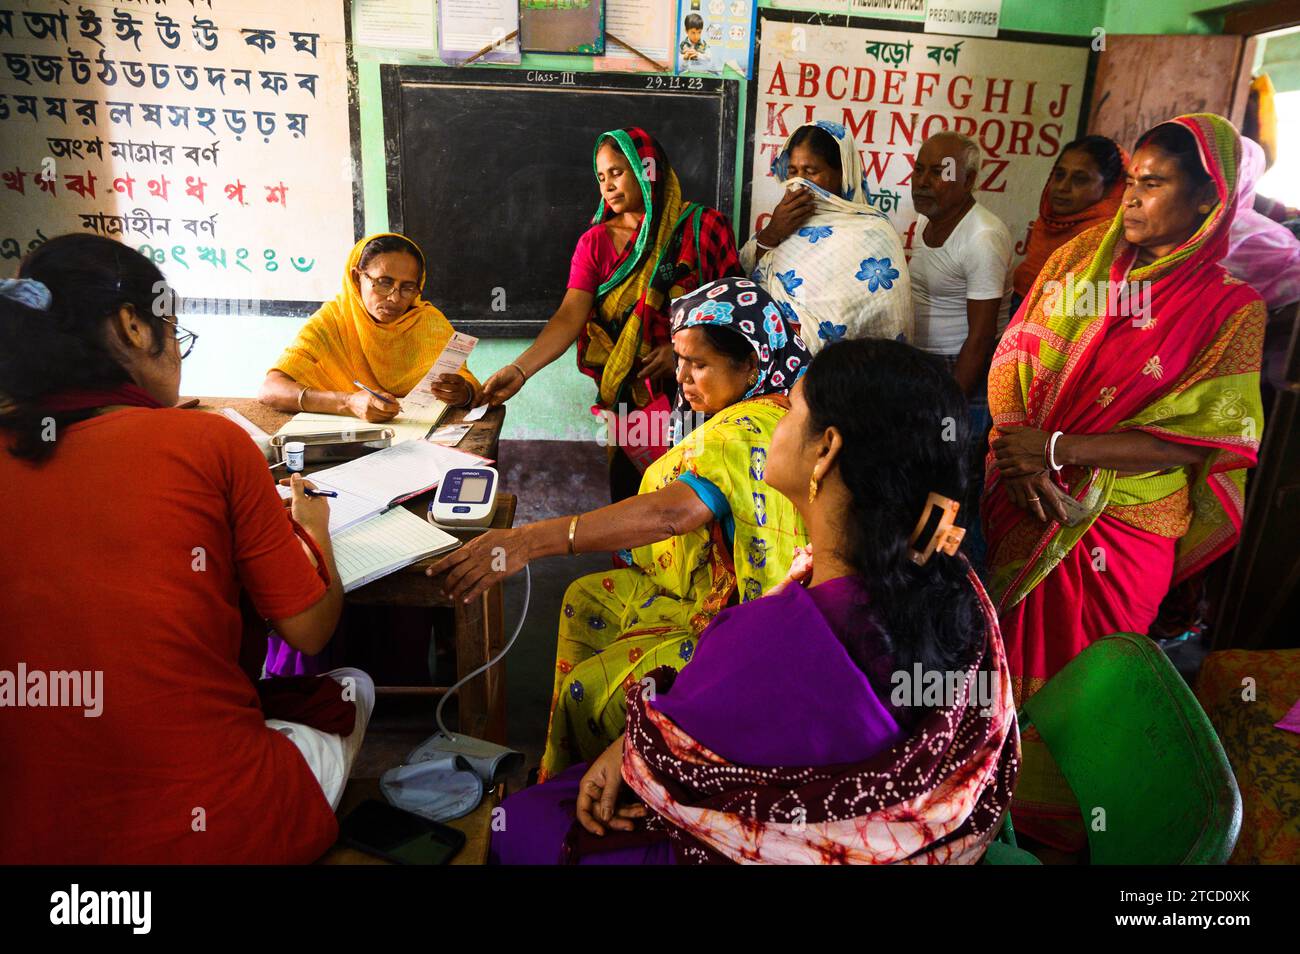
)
(832, 262)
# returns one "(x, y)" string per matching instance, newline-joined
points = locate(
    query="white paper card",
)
(450, 361)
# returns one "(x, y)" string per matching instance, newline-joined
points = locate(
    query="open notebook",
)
(370, 485)
(384, 545)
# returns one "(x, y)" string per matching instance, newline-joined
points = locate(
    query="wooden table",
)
(479, 626)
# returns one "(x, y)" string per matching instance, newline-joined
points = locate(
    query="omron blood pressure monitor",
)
(467, 497)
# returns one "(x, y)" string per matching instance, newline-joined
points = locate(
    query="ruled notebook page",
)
(346, 510)
(389, 542)
(387, 474)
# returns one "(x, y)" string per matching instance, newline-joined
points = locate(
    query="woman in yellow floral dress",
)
(704, 531)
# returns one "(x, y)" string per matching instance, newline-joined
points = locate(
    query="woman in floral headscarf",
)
(704, 530)
(646, 246)
(832, 261)
(1126, 397)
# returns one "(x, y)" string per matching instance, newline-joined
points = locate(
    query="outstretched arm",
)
(561, 331)
(637, 521)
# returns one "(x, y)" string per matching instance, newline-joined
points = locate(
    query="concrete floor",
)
(551, 479)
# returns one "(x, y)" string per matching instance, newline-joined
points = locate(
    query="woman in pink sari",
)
(1126, 397)
(1261, 252)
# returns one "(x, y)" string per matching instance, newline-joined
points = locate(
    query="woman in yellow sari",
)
(704, 531)
(377, 331)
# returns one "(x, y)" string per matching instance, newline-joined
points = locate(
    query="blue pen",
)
(320, 493)
(380, 396)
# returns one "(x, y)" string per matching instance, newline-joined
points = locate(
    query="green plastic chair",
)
(1131, 739)
(1003, 849)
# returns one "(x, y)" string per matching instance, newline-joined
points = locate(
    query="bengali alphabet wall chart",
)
(210, 134)
(891, 91)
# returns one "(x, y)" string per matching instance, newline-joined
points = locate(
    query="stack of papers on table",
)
(408, 426)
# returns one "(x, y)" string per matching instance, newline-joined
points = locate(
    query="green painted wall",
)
(556, 404)
(1164, 16)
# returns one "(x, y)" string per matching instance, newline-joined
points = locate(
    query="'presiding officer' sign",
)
(963, 17)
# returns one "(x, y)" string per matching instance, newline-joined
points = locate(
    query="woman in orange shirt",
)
(1084, 189)
(128, 731)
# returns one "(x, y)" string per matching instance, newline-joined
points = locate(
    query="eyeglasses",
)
(386, 286)
(184, 338)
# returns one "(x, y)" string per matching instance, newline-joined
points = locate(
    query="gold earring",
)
(753, 378)
(813, 487)
(1203, 209)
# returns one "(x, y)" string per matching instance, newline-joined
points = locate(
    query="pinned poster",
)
(485, 31)
(216, 143)
(638, 36)
(394, 24)
(713, 35)
(562, 26)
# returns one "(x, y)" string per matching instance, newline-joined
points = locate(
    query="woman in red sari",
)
(1126, 396)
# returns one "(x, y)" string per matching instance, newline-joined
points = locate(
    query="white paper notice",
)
(395, 24)
(889, 9)
(466, 26)
(963, 17)
(452, 359)
(820, 6)
(646, 25)
(449, 436)
(477, 413)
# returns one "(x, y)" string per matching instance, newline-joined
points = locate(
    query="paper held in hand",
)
(421, 409)
(452, 359)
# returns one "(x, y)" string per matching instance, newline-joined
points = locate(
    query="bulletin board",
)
(1021, 96)
(218, 137)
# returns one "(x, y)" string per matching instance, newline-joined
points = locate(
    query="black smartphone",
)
(380, 829)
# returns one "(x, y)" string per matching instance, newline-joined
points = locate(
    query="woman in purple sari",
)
(861, 712)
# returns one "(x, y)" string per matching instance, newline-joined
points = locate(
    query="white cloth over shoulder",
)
(843, 274)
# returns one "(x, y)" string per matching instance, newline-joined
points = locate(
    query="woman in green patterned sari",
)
(704, 531)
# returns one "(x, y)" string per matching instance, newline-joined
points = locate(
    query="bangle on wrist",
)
(301, 394)
(759, 243)
(573, 529)
(1049, 455)
(521, 371)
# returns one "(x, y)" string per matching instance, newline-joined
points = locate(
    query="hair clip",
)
(946, 537)
(27, 291)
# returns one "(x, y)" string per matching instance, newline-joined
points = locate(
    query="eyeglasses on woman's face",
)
(385, 286)
(184, 338)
